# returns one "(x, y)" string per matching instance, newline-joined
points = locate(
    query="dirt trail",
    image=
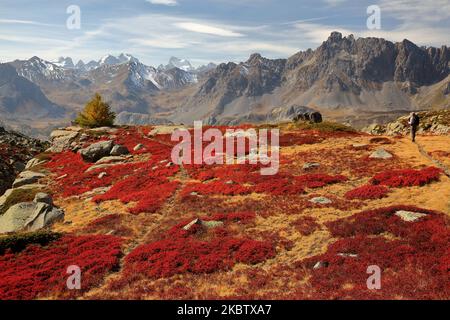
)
(438, 163)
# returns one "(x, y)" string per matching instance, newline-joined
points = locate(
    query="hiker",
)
(414, 123)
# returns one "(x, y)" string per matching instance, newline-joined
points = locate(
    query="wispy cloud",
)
(207, 29)
(164, 2)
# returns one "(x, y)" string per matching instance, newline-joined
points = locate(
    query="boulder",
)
(29, 216)
(42, 197)
(380, 154)
(320, 200)
(97, 150)
(119, 150)
(409, 216)
(27, 177)
(61, 140)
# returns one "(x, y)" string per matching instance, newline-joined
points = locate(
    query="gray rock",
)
(380, 154)
(61, 139)
(138, 147)
(119, 150)
(102, 175)
(99, 166)
(34, 162)
(29, 216)
(409, 216)
(43, 197)
(97, 150)
(191, 224)
(320, 200)
(27, 177)
(212, 224)
(110, 159)
(310, 165)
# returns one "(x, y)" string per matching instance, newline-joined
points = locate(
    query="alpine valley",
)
(358, 81)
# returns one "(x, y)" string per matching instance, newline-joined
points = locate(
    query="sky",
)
(204, 31)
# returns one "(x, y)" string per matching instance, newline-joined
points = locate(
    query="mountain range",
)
(355, 80)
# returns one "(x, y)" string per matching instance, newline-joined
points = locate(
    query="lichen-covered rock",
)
(30, 216)
(97, 150)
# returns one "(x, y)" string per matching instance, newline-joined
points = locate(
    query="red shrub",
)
(41, 271)
(166, 258)
(414, 265)
(367, 192)
(149, 192)
(407, 177)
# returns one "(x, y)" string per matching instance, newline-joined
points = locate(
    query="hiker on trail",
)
(414, 123)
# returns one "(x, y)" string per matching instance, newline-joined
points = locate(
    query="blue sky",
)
(204, 31)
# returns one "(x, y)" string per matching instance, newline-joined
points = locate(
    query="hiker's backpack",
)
(415, 120)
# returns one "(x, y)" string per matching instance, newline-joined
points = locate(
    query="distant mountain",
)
(182, 64)
(21, 98)
(64, 63)
(357, 81)
(343, 75)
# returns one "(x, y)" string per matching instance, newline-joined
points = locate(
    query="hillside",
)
(141, 227)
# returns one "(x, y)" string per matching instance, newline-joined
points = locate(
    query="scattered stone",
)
(110, 159)
(83, 137)
(320, 200)
(100, 166)
(212, 224)
(154, 168)
(169, 164)
(44, 198)
(310, 165)
(97, 150)
(320, 264)
(138, 147)
(359, 145)
(380, 154)
(409, 216)
(347, 255)
(193, 193)
(191, 224)
(229, 182)
(102, 175)
(119, 150)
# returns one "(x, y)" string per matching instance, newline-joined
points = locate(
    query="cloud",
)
(207, 29)
(164, 2)
(334, 3)
(23, 22)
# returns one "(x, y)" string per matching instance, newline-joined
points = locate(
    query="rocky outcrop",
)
(431, 122)
(31, 216)
(15, 152)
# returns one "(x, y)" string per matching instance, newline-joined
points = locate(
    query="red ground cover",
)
(415, 264)
(367, 192)
(41, 271)
(181, 252)
(407, 177)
